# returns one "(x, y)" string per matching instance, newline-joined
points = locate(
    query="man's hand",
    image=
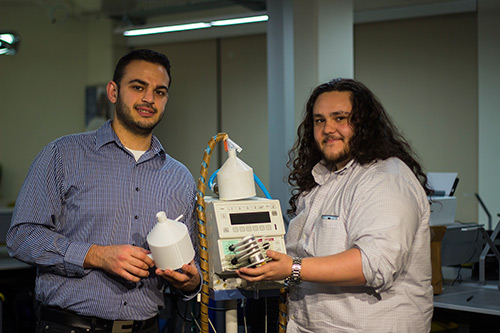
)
(187, 281)
(130, 262)
(279, 268)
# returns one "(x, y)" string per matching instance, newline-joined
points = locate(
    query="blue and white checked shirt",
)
(86, 189)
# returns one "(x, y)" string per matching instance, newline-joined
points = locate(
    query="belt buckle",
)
(122, 326)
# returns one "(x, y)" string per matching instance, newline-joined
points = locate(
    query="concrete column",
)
(489, 109)
(308, 42)
(280, 78)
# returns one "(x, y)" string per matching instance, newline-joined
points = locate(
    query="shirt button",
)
(136, 217)
(137, 189)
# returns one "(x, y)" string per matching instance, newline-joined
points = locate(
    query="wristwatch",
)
(296, 268)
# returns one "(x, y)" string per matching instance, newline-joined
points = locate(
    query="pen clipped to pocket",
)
(329, 217)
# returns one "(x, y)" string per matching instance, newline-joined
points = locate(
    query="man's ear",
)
(112, 91)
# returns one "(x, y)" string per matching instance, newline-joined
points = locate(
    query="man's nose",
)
(148, 96)
(330, 126)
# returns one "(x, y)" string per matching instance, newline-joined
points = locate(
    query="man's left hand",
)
(187, 280)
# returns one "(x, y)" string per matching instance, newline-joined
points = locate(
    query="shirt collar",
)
(322, 174)
(105, 134)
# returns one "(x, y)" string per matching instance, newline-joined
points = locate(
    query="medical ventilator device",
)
(235, 230)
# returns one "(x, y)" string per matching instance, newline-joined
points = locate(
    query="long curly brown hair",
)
(375, 137)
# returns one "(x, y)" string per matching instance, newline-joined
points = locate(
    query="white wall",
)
(244, 100)
(218, 86)
(424, 70)
(425, 73)
(190, 119)
(42, 87)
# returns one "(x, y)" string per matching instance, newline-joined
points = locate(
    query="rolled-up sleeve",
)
(384, 219)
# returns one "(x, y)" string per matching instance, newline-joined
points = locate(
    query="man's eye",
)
(138, 88)
(161, 93)
(318, 120)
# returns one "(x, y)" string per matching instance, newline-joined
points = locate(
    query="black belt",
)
(66, 318)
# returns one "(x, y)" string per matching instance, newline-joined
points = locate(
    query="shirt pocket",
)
(329, 236)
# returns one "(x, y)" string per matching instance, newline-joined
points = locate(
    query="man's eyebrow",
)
(147, 84)
(334, 113)
(138, 81)
(339, 113)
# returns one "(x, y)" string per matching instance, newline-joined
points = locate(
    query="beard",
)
(333, 159)
(139, 128)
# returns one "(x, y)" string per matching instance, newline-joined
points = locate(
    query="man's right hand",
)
(130, 262)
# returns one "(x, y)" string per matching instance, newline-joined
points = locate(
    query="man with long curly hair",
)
(359, 243)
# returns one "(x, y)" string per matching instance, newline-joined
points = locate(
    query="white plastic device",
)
(235, 177)
(239, 233)
(170, 243)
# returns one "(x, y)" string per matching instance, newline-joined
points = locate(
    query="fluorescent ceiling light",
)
(242, 20)
(193, 26)
(8, 38)
(170, 28)
(9, 42)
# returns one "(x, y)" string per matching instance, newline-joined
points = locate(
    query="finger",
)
(190, 269)
(253, 271)
(142, 255)
(249, 278)
(174, 281)
(272, 254)
(147, 260)
(128, 276)
(139, 263)
(141, 273)
(178, 277)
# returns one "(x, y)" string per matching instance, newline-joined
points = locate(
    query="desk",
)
(470, 298)
(17, 283)
(473, 306)
(8, 264)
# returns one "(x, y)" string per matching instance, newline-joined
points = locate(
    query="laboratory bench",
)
(470, 306)
(17, 283)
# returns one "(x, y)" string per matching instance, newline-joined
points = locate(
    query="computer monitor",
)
(461, 244)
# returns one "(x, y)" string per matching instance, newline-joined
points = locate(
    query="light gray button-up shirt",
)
(382, 210)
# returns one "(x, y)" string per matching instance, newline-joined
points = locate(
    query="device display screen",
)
(250, 218)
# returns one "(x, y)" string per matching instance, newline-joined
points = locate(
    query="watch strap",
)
(295, 277)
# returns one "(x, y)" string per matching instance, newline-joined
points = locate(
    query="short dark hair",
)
(141, 54)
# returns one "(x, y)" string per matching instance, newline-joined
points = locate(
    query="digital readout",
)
(249, 218)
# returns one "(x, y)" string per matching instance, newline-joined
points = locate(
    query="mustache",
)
(331, 137)
(147, 105)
